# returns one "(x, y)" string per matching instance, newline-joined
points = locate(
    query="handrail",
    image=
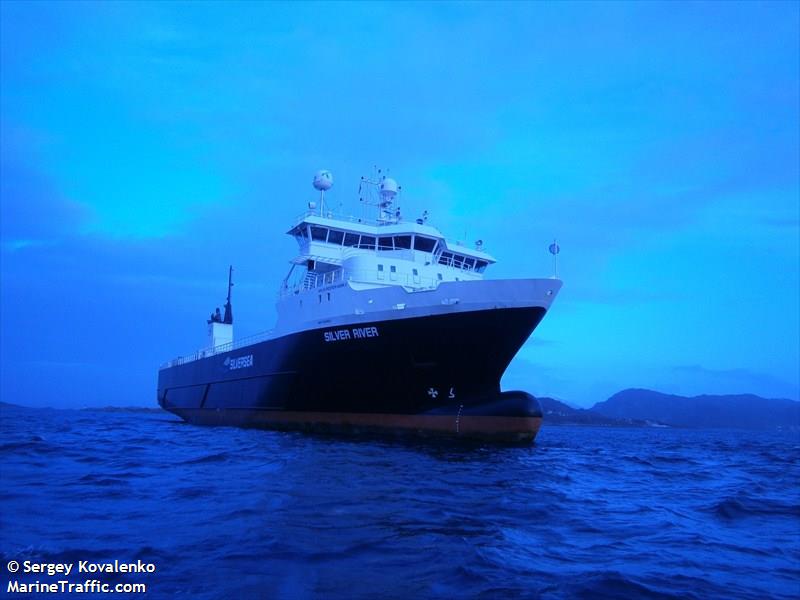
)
(336, 216)
(227, 347)
(312, 281)
(416, 282)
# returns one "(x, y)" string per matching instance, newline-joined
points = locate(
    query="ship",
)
(383, 325)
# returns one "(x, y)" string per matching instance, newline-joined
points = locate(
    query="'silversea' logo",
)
(239, 362)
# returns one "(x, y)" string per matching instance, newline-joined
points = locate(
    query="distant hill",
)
(9, 405)
(558, 413)
(144, 409)
(138, 409)
(744, 411)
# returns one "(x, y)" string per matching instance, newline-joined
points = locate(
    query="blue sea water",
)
(222, 512)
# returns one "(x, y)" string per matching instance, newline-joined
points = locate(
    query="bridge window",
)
(424, 244)
(458, 261)
(335, 237)
(446, 259)
(481, 266)
(351, 239)
(367, 241)
(385, 243)
(402, 241)
(318, 233)
(469, 263)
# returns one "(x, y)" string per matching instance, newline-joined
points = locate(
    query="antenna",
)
(228, 318)
(323, 181)
(554, 250)
(381, 191)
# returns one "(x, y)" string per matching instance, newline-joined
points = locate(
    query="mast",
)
(228, 318)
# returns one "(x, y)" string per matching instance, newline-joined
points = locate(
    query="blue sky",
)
(144, 147)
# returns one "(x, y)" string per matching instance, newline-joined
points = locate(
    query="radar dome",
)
(323, 180)
(389, 188)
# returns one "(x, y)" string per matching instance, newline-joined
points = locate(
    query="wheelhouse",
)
(414, 255)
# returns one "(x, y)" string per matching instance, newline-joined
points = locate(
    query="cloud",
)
(32, 208)
(781, 222)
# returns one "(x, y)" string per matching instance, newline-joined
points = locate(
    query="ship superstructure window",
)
(393, 272)
(318, 234)
(385, 243)
(439, 275)
(335, 237)
(368, 242)
(351, 239)
(424, 244)
(402, 241)
(459, 261)
(380, 271)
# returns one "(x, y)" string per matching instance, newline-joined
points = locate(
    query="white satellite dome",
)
(389, 188)
(323, 180)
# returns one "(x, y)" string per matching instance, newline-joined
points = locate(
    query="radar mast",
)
(380, 191)
(228, 318)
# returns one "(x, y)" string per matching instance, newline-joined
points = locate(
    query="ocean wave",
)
(743, 506)
(209, 458)
(605, 585)
(32, 446)
(587, 512)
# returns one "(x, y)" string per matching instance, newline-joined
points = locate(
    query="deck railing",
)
(205, 352)
(374, 276)
(337, 216)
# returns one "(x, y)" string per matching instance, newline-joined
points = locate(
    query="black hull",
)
(436, 374)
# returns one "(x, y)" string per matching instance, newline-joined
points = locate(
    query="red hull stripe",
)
(519, 428)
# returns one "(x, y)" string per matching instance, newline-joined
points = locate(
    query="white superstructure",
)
(350, 270)
(360, 254)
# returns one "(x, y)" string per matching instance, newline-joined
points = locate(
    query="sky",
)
(146, 146)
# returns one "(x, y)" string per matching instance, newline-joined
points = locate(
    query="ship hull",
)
(436, 375)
